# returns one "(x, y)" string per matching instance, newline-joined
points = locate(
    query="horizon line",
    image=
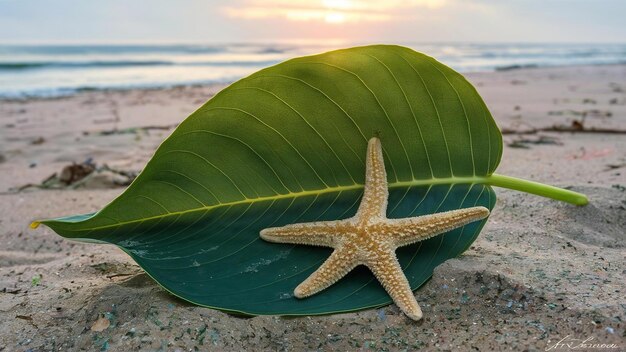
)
(305, 42)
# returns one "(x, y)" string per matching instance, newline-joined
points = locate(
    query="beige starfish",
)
(369, 238)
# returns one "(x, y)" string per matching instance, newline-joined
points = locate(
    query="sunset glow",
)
(337, 4)
(335, 17)
(311, 21)
(328, 11)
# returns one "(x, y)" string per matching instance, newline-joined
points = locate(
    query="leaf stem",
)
(537, 188)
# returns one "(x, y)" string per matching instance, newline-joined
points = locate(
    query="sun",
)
(336, 10)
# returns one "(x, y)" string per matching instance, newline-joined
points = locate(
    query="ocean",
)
(57, 70)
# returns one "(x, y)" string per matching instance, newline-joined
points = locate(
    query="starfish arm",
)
(321, 233)
(374, 202)
(387, 270)
(340, 262)
(410, 230)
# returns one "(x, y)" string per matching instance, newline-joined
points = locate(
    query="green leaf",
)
(287, 144)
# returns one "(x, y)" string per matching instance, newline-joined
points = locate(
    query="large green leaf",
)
(287, 144)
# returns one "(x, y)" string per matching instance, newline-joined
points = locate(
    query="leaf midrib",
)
(399, 184)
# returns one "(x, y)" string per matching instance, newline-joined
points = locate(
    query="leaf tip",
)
(35, 224)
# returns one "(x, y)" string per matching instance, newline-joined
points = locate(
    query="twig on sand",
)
(76, 175)
(525, 142)
(575, 127)
(131, 130)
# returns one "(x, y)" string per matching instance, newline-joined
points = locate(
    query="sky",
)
(301, 21)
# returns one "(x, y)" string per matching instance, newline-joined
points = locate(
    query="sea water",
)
(55, 70)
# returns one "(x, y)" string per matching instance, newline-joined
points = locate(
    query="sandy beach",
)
(541, 271)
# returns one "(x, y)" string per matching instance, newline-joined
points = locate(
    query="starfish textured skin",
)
(369, 238)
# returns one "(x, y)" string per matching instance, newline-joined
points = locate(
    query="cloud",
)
(329, 11)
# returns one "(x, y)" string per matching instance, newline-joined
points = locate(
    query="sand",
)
(540, 272)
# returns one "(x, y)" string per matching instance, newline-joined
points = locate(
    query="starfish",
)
(369, 238)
